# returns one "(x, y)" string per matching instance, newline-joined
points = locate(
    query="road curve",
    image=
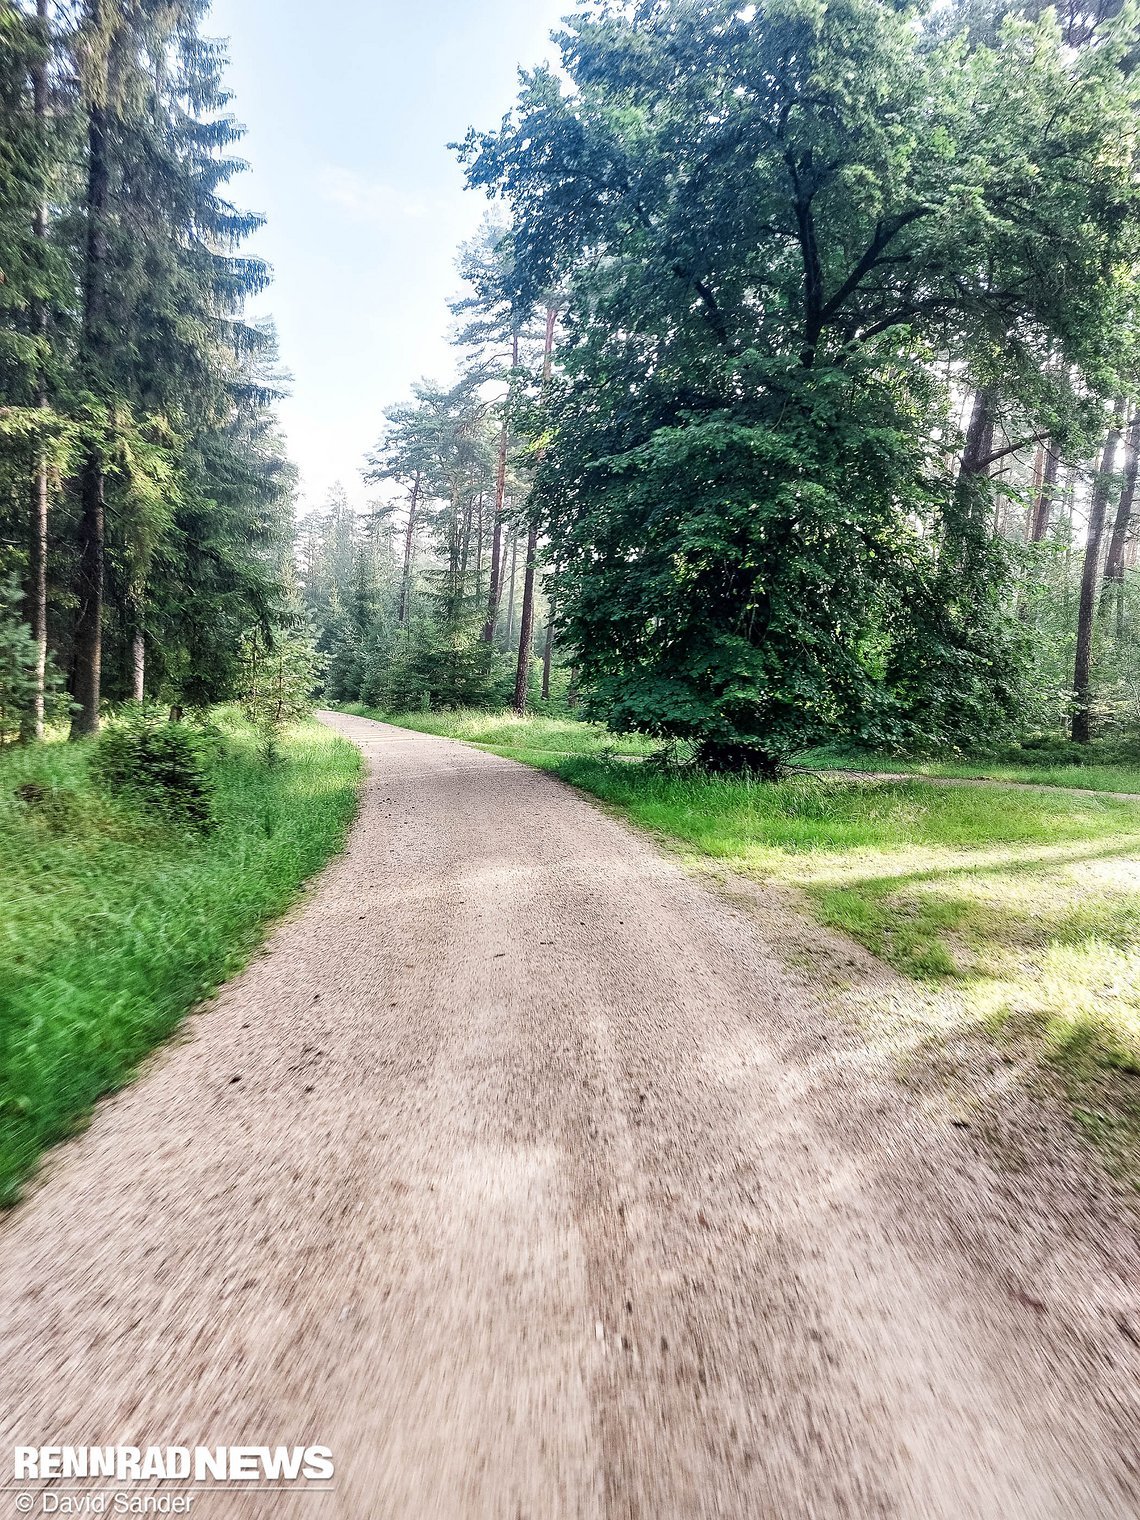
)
(519, 1172)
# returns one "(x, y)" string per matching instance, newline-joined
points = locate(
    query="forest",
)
(797, 373)
(795, 400)
(593, 968)
(793, 427)
(146, 496)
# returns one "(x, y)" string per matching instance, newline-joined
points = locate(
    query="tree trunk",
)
(526, 623)
(138, 665)
(547, 652)
(465, 551)
(511, 592)
(1042, 514)
(409, 538)
(966, 524)
(133, 613)
(37, 591)
(1068, 504)
(479, 546)
(1114, 560)
(979, 444)
(1038, 476)
(495, 591)
(454, 534)
(89, 619)
(1086, 615)
(33, 727)
(979, 441)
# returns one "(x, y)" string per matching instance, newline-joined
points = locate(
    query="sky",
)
(349, 108)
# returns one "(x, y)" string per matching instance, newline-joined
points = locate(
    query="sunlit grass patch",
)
(909, 933)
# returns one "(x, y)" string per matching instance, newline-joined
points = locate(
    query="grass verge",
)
(113, 925)
(503, 731)
(1093, 775)
(1014, 912)
(1099, 769)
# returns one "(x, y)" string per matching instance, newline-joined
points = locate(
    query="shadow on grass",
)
(985, 965)
(906, 931)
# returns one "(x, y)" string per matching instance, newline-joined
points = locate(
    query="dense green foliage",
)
(143, 493)
(119, 919)
(794, 239)
(19, 681)
(160, 766)
(280, 670)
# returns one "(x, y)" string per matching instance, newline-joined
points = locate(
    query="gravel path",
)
(518, 1171)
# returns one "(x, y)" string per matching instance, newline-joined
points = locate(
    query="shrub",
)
(160, 765)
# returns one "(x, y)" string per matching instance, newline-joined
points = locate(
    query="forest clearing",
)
(570, 815)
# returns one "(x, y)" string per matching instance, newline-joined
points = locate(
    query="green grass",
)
(1103, 771)
(1027, 903)
(1015, 912)
(1094, 777)
(112, 925)
(506, 733)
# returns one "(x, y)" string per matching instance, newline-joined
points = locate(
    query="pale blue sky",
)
(350, 106)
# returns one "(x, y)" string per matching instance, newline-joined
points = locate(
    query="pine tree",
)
(134, 397)
(25, 686)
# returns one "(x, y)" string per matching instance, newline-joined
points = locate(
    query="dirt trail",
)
(545, 1192)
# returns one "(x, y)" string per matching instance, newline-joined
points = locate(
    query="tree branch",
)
(885, 233)
(1012, 448)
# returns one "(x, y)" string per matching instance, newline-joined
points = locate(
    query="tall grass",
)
(113, 925)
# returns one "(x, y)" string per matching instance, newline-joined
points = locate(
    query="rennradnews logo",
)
(251, 1465)
(200, 1464)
